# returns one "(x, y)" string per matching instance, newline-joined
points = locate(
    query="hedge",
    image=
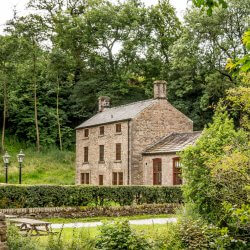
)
(22, 196)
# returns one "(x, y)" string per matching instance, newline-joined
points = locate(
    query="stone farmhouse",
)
(133, 144)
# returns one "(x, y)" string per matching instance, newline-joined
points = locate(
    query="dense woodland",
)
(57, 60)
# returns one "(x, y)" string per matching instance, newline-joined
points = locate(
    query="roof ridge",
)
(181, 139)
(119, 113)
(193, 132)
(162, 139)
(123, 105)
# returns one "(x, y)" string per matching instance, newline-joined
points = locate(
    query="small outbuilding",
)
(161, 164)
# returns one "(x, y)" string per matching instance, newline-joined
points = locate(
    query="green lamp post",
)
(20, 158)
(6, 160)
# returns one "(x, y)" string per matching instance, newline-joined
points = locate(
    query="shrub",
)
(16, 196)
(216, 169)
(120, 236)
(16, 242)
(216, 172)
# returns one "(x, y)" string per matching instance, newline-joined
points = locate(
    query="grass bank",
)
(50, 166)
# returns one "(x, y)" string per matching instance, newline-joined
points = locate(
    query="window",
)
(157, 171)
(177, 180)
(100, 179)
(86, 132)
(117, 178)
(118, 151)
(84, 178)
(101, 153)
(86, 154)
(101, 130)
(118, 128)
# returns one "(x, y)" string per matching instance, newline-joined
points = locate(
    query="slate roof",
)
(120, 113)
(173, 142)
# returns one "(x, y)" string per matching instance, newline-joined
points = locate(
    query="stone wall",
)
(3, 233)
(86, 212)
(109, 140)
(149, 126)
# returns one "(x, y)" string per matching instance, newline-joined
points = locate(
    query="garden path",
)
(132, 222)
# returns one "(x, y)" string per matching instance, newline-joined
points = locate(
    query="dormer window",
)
(118, 128)
(101, 130)
(86, 132)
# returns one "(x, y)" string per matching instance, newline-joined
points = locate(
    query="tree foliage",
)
(57, 61)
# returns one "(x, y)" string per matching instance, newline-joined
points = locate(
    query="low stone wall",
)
(3, 233)
(81, 212)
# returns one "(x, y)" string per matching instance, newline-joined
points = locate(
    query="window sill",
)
(101, 162)
(100, 135)
(85, 163)
(118, 133)
(85, 138)
(117, 161)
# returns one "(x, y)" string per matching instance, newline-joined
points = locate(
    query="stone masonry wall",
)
(167, 168)
(86, 212)
(3, 233)
(148, 127)
(109, 140)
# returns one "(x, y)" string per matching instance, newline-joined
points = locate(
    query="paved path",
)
(132, 222)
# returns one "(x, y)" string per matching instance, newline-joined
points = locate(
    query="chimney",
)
(160, 89)
(103, 103)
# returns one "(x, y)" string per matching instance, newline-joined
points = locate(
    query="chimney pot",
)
(160, 89)
(103, 103)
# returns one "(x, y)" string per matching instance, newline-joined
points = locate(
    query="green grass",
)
(149, 231)
(94, 219)
(50, 166)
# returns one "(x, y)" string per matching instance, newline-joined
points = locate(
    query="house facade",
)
(111, 147)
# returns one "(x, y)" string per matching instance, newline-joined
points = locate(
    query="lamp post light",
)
(20, 158)
(6, 160)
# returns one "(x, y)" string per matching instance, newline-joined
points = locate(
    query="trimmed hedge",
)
(22, 196)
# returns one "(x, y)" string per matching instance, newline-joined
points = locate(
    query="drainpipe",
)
(128, 181)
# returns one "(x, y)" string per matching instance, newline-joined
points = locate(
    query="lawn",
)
(72, 237)
(149, 231)
(94, 219)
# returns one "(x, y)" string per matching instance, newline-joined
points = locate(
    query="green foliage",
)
(197, 76)
(12, 196)
(217, 170)
(240, 67)
(210, 4)
(79, 240)
(119, 235)
(55, 66)
(197, 234)
(15, 241)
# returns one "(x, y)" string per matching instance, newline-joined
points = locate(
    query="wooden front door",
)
(177, 180)
(157, 171)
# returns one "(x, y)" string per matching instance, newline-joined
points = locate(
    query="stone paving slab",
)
(132, 222)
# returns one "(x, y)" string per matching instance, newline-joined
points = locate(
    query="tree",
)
(7, 70)
(209, 4)
(29, 30)
(198, 78)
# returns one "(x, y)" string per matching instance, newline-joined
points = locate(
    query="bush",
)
(216, 172)
(216, 169)
(120, 236)
(16, 196)
(16, 242)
